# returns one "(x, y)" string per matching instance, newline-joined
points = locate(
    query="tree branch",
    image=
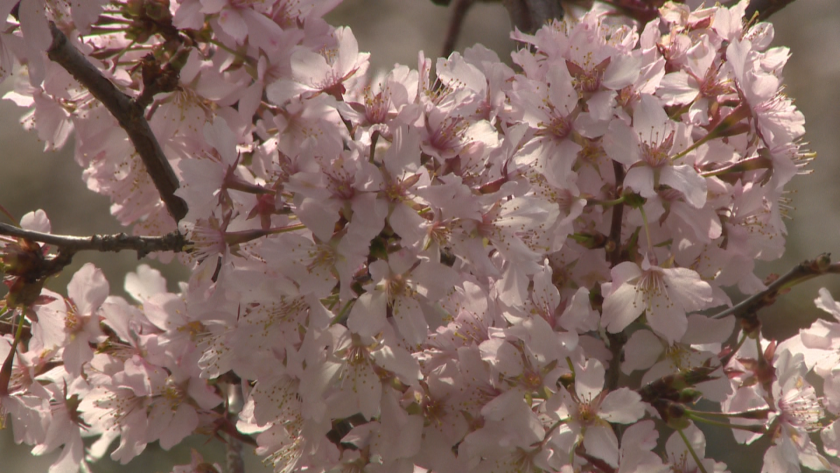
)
(614, 241)
(804, 271)
(765, 8)
(613, 249)
(128, 113)
(531, 15)
(456, 22)
(143, 245)
(233, 450)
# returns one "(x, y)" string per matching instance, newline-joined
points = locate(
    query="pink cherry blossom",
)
(73, 324)
(588, 411)
(665, 295)
(412, 271)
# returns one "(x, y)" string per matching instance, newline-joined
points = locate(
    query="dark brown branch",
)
(233, 446)
(531, 15)
(456, 22)
(765, 8)
(613, 249)
(804, 271)
(128, 113)
(614, 241)
(143, 245)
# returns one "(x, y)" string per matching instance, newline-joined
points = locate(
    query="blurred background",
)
(393, 31)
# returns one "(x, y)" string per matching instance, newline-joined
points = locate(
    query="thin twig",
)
(233, 447)
(530, 15)
(128, 113)
(614, 242)
(456, 22)
(765, 8)
(618, 340)
(802, 272)
(143, 245)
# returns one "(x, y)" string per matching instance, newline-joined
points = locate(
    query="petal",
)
(145, 283)
(702, 329)
(621, 307)
(366, 387)
(675, 89)
(263, 32)
(650, 122)
(640, 179)
(622, 71)
(309, 68)
(367, 317)
(410, 320)
(319, 218)
(221, 137)
(33, 22)
(827, 303)
(666, 317)
(76, 354)
(589, 380)
(621, 143)
(348, 50)
(36, 221)
(232, 23)
(640, 436)
(831, 439)
(641, 351)
(625, 272)
(600, 441)
(397, 360)
(622, 406)
(687, 289)
(561, 91)
(88, 289)
(686, 180)
(184, 421)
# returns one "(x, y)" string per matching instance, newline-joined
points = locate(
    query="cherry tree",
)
(468, 264)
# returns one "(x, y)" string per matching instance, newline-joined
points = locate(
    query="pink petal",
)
(145, 283)
(621, 308)
(600, 441)
(641, 351)
(183, 424)
(367, 317)
(666, 317)
(641, 180)
(621, 143)
(622, 406)
(233, 24)
(686, 180)
(88, 289)
(589, 380)
(410, 320)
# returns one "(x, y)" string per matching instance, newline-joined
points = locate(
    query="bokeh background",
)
(393, 31)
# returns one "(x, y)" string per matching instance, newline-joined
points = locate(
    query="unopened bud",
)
(689, 396)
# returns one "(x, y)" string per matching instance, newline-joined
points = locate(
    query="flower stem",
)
(750, 414)
(614, 242)
(459, 13)
(606, 203)
(802, 272)
(9, 216)
(6, 371)
(757, 429)
(647, 232)
(342, 314)
(692, 452)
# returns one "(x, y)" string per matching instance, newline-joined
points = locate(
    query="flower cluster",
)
(449, 271)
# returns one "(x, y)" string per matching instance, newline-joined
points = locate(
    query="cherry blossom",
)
(456, 268)
(665, 295)
(588, 410)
